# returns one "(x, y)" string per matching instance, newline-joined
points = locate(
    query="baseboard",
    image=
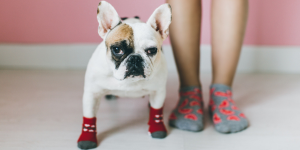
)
(266, 59)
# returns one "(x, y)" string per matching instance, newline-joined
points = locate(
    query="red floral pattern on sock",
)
(185, 110)
(218, 93)
(227, 94)
(226, 112)
(223, 104)
(194, 103)
(211, 102)
(233, 118)
(197, 90)
(226, 107)
(189, 107)
(234, 107)
(195, 97)
(200, 111)
(216, 118)
(173, 117)
(191, 116)
(213, 108)
(242, 115)
(184, 103)
(211, 91)
(231, 101)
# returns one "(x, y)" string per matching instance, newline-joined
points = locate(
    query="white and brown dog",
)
(128, 63)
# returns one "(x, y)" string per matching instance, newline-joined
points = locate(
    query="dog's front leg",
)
(88, 139)
(157, 128)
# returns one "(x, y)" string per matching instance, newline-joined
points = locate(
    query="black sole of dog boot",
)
(86, 145)
(158, 134)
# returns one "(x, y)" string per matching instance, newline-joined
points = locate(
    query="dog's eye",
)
(117, 50)
(151, 51)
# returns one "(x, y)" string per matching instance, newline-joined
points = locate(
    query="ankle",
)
(229, 84)
(184, 83)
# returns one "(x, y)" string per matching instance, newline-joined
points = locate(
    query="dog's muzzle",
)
(135, 66)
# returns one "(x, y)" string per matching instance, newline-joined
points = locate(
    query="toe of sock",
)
(232, 127)
(235, 128)
(222, 128)
(187, 125)
(159, 134)
(242, 125)
(86, 145)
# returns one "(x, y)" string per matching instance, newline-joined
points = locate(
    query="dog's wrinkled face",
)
(133, 48)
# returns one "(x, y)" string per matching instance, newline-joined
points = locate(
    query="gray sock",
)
(188, 114)
(227, 118)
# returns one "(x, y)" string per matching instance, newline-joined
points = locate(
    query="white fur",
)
(161, 19)
(108, 18)
(102, 78)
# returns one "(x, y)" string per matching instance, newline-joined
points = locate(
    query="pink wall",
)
(271, 22)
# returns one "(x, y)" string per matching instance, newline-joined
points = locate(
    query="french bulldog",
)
(128, 63)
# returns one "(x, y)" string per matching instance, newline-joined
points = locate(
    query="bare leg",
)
(185, 38)
(228, 27)
(228, 20)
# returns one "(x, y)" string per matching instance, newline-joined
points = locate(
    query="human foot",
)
(188, 114)
(227, 118)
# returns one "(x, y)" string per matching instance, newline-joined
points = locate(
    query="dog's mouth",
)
(135, 72)
(135, 67)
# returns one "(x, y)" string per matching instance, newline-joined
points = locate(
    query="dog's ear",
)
(107, 17)
(160, 20)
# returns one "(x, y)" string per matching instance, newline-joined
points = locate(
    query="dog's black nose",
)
(134, 66)
(135, 59)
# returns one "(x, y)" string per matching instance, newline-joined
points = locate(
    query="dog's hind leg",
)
(111, 97)
(88, 139)
(157, 128)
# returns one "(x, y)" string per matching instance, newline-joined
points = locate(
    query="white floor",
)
(41, 110)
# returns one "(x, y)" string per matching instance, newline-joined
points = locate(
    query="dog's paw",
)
(158, 134)
(110, 97)
(86, 145)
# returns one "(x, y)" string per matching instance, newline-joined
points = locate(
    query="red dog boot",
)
(88, 139)
(157, 128)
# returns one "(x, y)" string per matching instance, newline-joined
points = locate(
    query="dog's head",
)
(133, 48)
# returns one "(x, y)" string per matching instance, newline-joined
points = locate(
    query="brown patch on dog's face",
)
(120, 42)
(120, 33)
